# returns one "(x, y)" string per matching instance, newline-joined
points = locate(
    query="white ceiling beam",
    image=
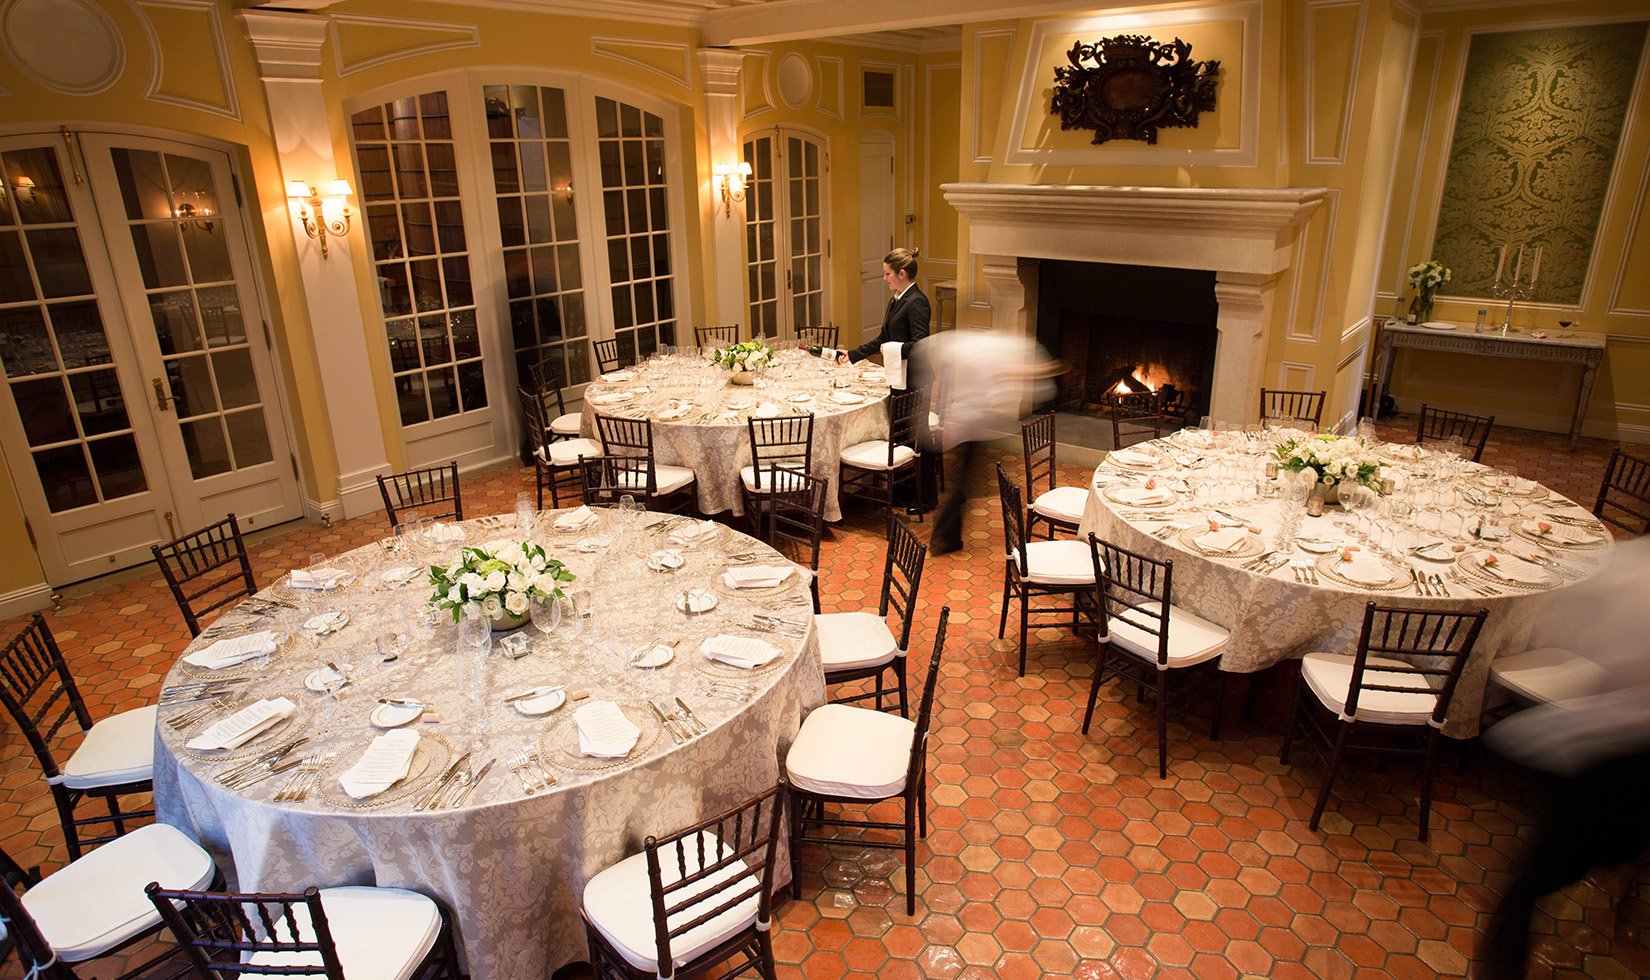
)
(791, 20)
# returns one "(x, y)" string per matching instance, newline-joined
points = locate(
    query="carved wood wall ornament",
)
(1127, 87)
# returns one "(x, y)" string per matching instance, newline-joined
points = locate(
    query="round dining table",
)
(507, 848)
(699, 415)
(1286, 588)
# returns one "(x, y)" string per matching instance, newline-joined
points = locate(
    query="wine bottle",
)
(828, 353)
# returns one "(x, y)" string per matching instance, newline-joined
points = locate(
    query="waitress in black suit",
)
(908, 312)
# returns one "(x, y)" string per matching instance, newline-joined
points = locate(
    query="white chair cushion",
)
(668, 479)
(567, 425)
(874, 455)
(568, 451)
(1062, 503)
(118, 749)
(785, 481)
(1549, 674)
(1329, 675)
(854, 640)
(96, 903)
(380, 933)
(619, 904)
(933, 420)
(1059, 563)
(853, 752)
(1192, 639)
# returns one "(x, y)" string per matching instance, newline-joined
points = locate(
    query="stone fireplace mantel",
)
(1245, 236)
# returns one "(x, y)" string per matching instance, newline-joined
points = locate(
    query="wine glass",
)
(546, 616)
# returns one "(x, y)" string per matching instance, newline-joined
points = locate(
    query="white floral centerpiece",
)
(1425, 278)
(1335, 459)
(744, 359)
(499, 582)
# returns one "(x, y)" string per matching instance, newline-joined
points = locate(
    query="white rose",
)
(537, 563)
(515, 582)
(546, 584)
(516, 603)
(472, 581)
(494, 581)
(455, 594)
(491, 606)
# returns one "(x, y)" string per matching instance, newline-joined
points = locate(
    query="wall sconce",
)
(25, 191)
(321, 226)
(731, 177)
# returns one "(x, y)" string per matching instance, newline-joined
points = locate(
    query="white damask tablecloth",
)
(511, 867)
(1273, 616)
(712, 438)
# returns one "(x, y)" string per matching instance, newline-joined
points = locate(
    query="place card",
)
(604, 731)
(385, 763)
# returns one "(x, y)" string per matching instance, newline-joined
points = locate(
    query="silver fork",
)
(189, 719)
(545, 775)
(518, 765)
(289, 789)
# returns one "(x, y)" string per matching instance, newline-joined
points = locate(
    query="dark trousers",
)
(948, 521)
(1601, 817)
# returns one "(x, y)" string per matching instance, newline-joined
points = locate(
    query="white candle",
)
(1518, 270)
(1535, 267)
(1500, 264)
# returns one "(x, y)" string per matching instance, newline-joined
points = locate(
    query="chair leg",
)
(899, 678)
(922, 801)
(1094, 689)
(765, 964)
(1329, 777)
(1220, 704)
(1162, 724)
(797, 826)
(65, 817)
(1025, 614)
(1002, 621)
(879, 690)
(1289, 730)
(1428, 770)
(910, 857)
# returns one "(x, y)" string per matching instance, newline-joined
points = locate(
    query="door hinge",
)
(827, 248)
(29, 530)
(235, 184)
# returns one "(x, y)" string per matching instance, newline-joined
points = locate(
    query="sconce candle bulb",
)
(732, 177)
(320, 227)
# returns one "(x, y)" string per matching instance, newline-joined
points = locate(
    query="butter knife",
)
(666, 723)
(441, 784)
(687, 713)
(471, 787)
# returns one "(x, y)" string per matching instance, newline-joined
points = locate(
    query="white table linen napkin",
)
(242, 726)
(610, 398)
(673, 410)
(1510, 569)
(316, 578)
(1223, 540)
(604, 731)
(694, 533)
(1135, 457)
(847, 397)
(1141, 495)
(616, 376)
(893, 363)
(756, 576)
(574, 519)
(446, 533)
(232, 651)
(743, 652)
(385, 763)
(766, 410)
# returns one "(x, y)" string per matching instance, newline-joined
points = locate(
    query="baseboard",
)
(21, 602)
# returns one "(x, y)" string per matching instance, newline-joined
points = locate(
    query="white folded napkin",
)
(1558, 532)
(574, 519)
(1492, 532)
(744, 652)
(893, 363)
(316, 578)
(1366, 571)
(619, 376)
(665, 559)
(242, 726)
(766, 410)
(756, 576)
(604, 731)
(400, 574)
(847, 397)
(446, 533)
(1134, 457)
(674, 410)
(232, 651)
(1511, 569)
(695, 533)
(611, 398)
(1225, 539)
(801, 398)
(384, 764)
(1140, 495)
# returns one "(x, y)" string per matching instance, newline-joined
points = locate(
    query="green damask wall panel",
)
(1535, 138)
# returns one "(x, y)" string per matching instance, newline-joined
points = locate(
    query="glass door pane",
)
(805, 215)
(761, 258)
(631, 150)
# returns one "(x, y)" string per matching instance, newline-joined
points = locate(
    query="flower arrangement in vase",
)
(1425, 278)
(1335, 459)
(498, 582)
(744, 359)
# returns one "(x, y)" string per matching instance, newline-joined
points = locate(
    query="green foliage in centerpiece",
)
(1336, 460)
(747, 355)
(494, 581)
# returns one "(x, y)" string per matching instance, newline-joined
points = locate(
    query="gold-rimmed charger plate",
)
(1251, 545)
(662, 535)
(1110, 493)
(288, 727)
(432, 757)
(1161, 462)
(561, 744)
(284, 591)
(786, 645)
(1595, 541)
(1523, 490)
(1326, 566)
(1473, 564)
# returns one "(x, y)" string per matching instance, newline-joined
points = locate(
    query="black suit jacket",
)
(906, 321)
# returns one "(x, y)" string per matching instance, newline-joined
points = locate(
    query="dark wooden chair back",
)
(1473, 430)
(1133, 414)
(609, 356)
(718, 336)
(715, 866)
(38, 959)
(925, 708)
(817, 336)
(1433, 646)
(39, 691)
(1014, 522)
(786, 442)
(606, 479)
(547, 384)
(905, 408)
(796, 522)
(221, 931)
(432, 487)
(534, 424)
(1037, 438)
(1134, 588)
(1299, 406)
(1624, 495)
(902, 576)
(206, 570)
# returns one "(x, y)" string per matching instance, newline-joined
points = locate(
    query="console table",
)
(1563, 346)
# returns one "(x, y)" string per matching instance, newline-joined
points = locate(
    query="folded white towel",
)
(743, 652)
(1134, 457)
(847, 397)
(232, 651)
(446, 533)
(604, 731)
(893, 363)
(696, 533)
(766, 410)
(614, 376)
(385, 763)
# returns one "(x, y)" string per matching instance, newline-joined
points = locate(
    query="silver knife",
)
(687, 712)
(441, 784)
(471, 788)
(664, 721)
(264, 759)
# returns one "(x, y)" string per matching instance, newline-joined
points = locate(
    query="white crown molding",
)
(462, 36)
(43, 51)
(673, 14)
(287, 45)
(231, 107)
(1245, 154)
(683, 78)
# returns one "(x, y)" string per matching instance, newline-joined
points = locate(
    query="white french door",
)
(787, 244)
(140, 396)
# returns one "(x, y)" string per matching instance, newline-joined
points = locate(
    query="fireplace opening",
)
(1123, 328)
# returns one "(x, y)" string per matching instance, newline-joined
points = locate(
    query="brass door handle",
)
(162, 402)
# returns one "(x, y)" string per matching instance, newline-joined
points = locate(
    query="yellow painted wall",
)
(1617, 296)
(939, 93)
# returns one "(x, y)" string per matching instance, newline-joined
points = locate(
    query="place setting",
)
(247, 730)
(602, 735)
(1359, 569)
(382, 769)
